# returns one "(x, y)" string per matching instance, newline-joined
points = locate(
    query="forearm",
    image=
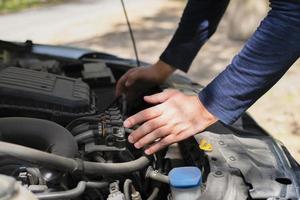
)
(199, 21)
(267, 55)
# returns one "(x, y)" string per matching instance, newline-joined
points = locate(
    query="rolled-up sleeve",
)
(198, 22)
(264, 59)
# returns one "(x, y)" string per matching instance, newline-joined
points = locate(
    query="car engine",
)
(62, 137)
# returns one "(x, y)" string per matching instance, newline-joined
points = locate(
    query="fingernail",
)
(137, 145)
(126, 124)
(130, 139)
(147, 152)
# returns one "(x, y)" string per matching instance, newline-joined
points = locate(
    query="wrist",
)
(164, 69)
(204, 115)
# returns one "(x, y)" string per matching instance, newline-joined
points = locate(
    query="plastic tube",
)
(70, 165)
(69, 194)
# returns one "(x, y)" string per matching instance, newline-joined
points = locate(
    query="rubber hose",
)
(153, 194)
(49, 160)
(83, 128)
(38, 134)
(116, 168)
(70, 194)
(85, 135)
(127, 188)
(81, 120)
(155, 175)
(80, 128)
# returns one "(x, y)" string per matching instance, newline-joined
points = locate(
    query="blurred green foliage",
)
(16, 5)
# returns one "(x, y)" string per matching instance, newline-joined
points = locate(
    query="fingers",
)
(143, 116)
(175, 118)
(120, 85)
(132, 78)
(166, 141)
(152, 136)
(170, 139)
(162, 130)
(160, 97)
(125, 81)
(145, 129)
(149, 113)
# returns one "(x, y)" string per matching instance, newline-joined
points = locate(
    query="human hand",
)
(175, 117)
(142, 78)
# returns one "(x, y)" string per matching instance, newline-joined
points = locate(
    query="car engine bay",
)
(62, 137)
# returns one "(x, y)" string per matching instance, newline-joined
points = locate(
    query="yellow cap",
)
(205, 146)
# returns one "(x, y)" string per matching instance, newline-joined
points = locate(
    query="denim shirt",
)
(263, 60)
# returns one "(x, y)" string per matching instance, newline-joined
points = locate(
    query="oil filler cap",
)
(185, 177)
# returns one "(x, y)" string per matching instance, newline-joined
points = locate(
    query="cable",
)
(131, 34)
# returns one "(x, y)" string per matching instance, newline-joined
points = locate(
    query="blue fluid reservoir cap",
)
(185, 177)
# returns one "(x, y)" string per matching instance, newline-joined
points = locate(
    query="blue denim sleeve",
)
(264, 59)
(198, 22)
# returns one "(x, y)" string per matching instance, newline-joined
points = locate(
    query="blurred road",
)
(71, 21)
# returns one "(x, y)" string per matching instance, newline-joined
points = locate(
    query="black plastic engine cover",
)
(30, 93)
